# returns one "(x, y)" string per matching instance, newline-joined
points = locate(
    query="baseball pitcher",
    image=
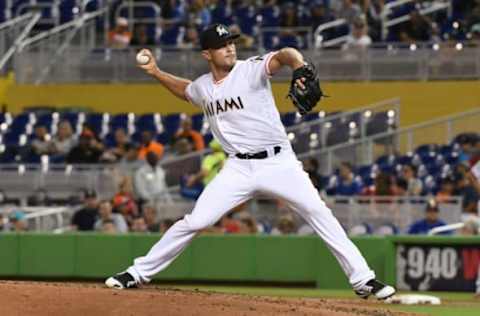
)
(237, 100)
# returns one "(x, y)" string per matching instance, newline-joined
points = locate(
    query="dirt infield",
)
(42, 299)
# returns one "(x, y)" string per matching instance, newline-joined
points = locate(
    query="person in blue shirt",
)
(347, 184)
(430, 221)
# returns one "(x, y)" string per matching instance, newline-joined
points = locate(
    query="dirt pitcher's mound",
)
(42, 299)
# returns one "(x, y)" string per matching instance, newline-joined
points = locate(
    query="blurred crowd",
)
(141, 184)
(182, 21)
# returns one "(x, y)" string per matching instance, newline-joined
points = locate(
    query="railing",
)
(132, 5)
(376, 213)
(401, 141)
(54, 18)
(44, 218)
(343, 127)
(53, 48)
(12, 33)
(387, 62)
(317, 35)
(434, 7)
(302, 33)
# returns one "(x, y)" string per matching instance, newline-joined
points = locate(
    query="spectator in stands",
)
(140, 36)
(373, 10)
(85, 151)
(18, 221)
(200, 14)
(84, 219)
(415, 186)
(89, 131)
(285, 226)
(106, 215)
(149, 145)
(447, 188)
(150, 182)
(430, 221)
(382, 185)
(347, 184)
(165, 225)
(467, 142)
(310, 166)
(211, 165)
(108, 227)
(186, 131)
(244, 41)
(64, 140)
(464, 188)
(358, 37)
(41, 144)
(418, 28)
(190, 39)
(139, 225)
(321, 15)
(120, 36)
(116, 153)
(150, 217)
(182, 146)
(399, 187)
(39, 198)
(289, 16)
(123, 201)
(129, 164)
(348, 10)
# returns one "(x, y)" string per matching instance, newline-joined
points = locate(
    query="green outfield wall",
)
(209, 258)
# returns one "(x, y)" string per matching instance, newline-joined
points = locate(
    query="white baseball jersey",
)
(240, 108)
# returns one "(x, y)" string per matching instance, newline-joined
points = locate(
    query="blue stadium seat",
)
(119, 121)
(221, 14)
(289, 119)
(171, 123)
(246, 17)
(197, 121)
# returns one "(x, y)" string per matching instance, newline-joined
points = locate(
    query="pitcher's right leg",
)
(230, 188)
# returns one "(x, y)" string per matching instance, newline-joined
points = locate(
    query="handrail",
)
(370, 107)
(135, 4)
(16, 20)
(18, 41)
(445, 228)
(322, 27)
(390, 5)
(335, 41)
(392, 133)
(74, 23)
(434, 7)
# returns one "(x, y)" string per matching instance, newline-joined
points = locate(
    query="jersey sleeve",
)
(259, 69)
(192, 93)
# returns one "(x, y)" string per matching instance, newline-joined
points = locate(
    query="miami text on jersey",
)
(223, 105)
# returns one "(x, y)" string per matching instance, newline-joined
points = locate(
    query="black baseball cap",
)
(215, 36)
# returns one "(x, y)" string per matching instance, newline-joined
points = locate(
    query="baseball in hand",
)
(142, 58)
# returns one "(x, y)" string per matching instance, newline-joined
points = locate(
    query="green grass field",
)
(453, 304)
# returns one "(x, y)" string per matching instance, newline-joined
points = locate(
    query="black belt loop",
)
(259, 155)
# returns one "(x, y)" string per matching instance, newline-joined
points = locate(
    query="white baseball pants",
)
(281, 176)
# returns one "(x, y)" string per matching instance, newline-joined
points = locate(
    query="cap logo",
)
(221, 30)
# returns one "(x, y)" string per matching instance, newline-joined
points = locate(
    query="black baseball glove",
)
(305, 99)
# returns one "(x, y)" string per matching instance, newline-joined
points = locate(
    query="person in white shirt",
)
(106, 215)
(149, 180)
(237, 100)
(358, 37)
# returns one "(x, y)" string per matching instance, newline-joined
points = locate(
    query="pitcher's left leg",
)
(288, 181)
